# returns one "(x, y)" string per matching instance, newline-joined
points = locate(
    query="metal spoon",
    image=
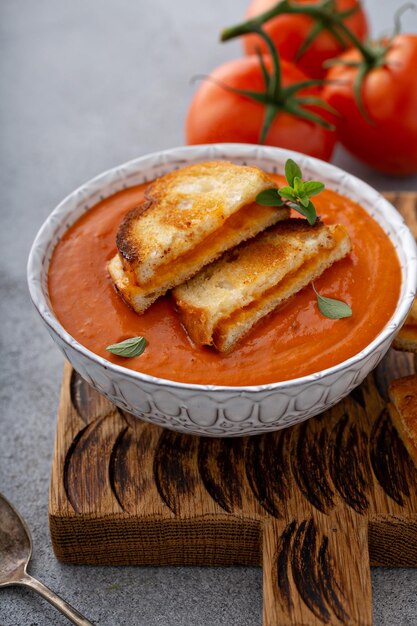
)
(15, 552)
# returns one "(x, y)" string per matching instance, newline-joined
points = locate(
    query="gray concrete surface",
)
(86, 85)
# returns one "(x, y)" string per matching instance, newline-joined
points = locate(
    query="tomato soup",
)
(293, 341)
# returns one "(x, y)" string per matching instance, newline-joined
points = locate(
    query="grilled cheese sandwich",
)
(188, 219)
(226, 298)
(403, 411)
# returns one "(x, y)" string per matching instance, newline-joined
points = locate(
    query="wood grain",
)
(315, 504)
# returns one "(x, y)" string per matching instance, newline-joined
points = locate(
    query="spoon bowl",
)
(15, 553)
(15, 544)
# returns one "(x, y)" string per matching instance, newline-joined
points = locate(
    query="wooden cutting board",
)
(315, 505)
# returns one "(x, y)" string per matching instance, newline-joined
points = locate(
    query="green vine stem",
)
(276, 98)
(324, 14)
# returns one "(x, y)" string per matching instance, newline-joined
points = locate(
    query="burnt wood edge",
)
(206, 540)
(391, 463)
(392, 541)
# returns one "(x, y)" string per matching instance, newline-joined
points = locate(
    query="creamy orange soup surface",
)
(293, 341)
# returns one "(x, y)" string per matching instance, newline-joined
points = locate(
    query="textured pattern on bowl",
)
(208, 409)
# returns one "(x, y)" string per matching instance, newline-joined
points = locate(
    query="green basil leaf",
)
(309, 211)
(313, 187)
(269, 197)
(291, 171)
(304, 201)
(129, 347)
(331, 308)
(287, 192)
(298, 186)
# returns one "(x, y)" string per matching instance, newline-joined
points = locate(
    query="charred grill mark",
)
(348, 464)
(305, 571)
(83, 398)
(219, 462)
(309, 467)
(144, 442)
(358, 397)
(128, 476)
(283, 558)
(329, 582)
(267, 470)
(117, 462)
(313, 573)
(173, 467)
(390, 460)
(86, 466)
(67, 464)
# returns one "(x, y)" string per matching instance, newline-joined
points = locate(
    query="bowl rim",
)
(234, 150)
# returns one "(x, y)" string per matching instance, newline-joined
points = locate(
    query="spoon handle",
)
(72, 614)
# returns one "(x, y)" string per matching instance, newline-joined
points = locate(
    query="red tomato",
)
(389, 141)
(288, 32)
(218, 115)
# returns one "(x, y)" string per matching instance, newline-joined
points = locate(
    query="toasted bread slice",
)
(225, 299)
(136, 297)
(184, 208)
(190, 217)
(403, 411)
(406, 339)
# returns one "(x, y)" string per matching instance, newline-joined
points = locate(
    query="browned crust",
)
(403, 411)
(221, 330)
(124, 244)
(195, 322)
(293, 225)
(128, 247)
(121, 294)
(196, 319)
(201, 254)
(412, 315)
(162, 183)
(406, 340)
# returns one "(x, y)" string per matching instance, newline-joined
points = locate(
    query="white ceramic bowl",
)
(209, 409)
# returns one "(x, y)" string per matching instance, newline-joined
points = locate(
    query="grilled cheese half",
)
(406, 339)
(225, 299)
(188, 219)
(403, 411)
